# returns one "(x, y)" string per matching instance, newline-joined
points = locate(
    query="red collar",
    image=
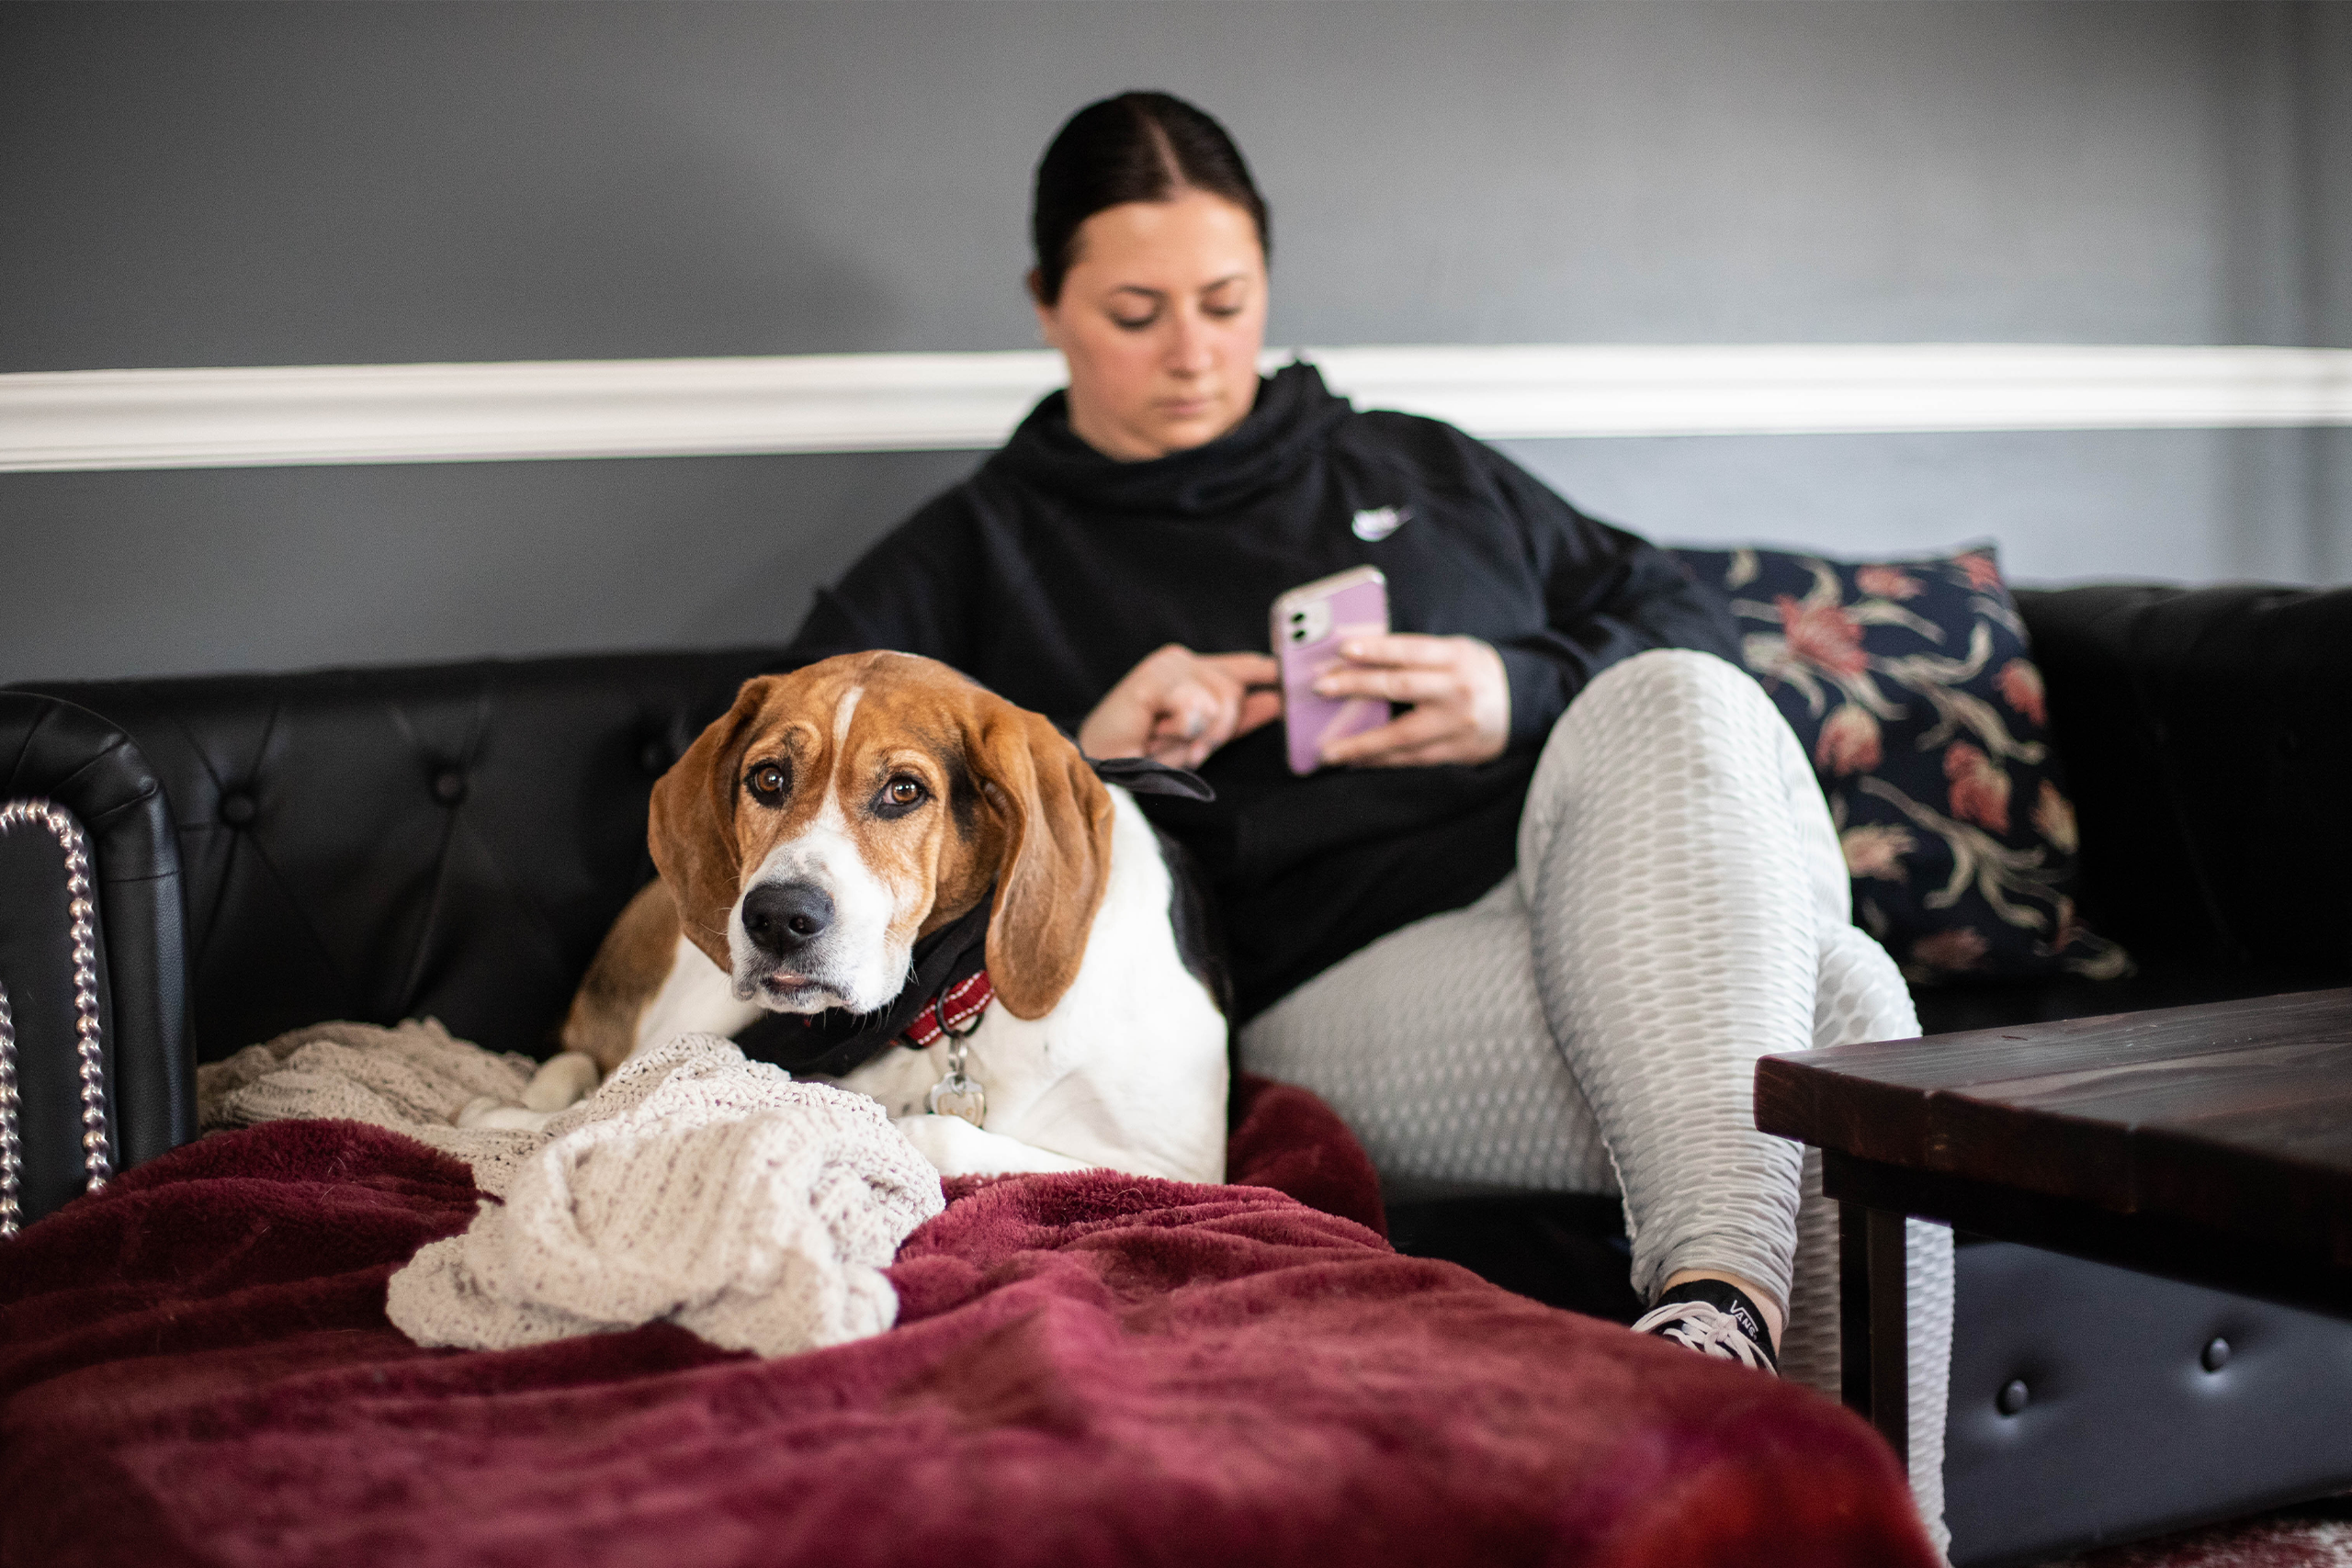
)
(956, 1006)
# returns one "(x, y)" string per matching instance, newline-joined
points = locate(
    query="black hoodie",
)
(1052, 570)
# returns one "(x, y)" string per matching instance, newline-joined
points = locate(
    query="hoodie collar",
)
(1281, 432)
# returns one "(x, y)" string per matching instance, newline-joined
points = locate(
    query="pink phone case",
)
(1309, 624)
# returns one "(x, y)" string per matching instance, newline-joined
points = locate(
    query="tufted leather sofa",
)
(452, 841)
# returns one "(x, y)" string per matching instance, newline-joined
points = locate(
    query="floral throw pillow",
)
(1910, 685)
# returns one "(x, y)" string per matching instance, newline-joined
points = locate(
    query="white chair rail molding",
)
(265, 416)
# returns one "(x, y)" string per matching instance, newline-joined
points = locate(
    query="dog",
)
(837, 830)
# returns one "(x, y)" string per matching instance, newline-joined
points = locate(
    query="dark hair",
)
(1135, 147)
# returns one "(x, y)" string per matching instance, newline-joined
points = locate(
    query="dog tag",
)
(957, 1095)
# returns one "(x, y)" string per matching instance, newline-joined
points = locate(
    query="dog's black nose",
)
(781, 918)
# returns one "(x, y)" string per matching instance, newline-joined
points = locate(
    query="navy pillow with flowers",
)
(1911, 686)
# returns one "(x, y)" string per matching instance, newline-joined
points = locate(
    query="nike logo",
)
(1375, 524)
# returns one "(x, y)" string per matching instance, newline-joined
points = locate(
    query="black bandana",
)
(833, 1042)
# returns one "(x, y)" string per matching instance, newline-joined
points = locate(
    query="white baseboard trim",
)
(879, 403)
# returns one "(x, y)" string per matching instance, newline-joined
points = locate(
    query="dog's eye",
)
(903, 793)
(767, 782)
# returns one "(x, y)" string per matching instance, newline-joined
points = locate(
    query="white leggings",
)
(1680, 908)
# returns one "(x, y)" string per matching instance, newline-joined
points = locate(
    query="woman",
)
(1533, 932)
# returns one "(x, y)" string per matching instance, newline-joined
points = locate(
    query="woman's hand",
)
(1458, 689)
(1177, 706)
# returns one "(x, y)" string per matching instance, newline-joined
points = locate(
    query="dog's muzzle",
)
(791, 967)
(782, 918)
(799, 946)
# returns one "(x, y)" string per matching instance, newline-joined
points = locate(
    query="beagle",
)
(820, 847)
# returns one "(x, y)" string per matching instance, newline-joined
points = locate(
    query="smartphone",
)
(1310, 622)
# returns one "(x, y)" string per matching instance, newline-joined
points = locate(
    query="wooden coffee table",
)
(2209, 1144)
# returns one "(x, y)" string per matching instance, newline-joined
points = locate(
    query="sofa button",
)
(2216, 1354)
(2012, 1397)
(449, 787)
(654, 757)
(237, 808)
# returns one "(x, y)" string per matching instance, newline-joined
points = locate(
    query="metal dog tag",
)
(957, 1095)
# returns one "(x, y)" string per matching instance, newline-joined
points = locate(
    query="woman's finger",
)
(1124, 723)
(1413, 650)
(1418, 727)
(1207, 708)
(1259, 708)
(1178, 707)
(1184, 715)
(1182, 737)
(1250, 668)
(1210, 675)
(1397, 684)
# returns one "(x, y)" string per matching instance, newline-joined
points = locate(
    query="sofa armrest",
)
(89, 851)
(2204, 742)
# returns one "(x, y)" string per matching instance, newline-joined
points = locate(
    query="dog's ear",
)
(690, 824)
(1057, 863)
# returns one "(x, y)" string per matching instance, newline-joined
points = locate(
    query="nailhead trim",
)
(12, 1154)
(96, 1159)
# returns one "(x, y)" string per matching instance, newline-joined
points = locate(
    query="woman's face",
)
(1161, 316)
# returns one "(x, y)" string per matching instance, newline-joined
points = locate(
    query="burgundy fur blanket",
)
(195, 1368)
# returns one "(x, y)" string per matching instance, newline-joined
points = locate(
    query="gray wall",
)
(202, 184)
(2328, 140)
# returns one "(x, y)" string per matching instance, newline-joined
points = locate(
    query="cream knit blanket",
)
(693, 1186)
(413, 1078)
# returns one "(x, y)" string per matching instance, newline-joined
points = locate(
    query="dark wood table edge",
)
(1875, 1196)
(1875, 1199)
(2150, 1243)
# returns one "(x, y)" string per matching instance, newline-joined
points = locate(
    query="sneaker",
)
(1714, 1318)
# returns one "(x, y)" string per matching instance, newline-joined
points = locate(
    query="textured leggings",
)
(1680, 908)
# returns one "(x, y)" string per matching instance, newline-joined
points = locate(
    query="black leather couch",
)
(452, 841)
